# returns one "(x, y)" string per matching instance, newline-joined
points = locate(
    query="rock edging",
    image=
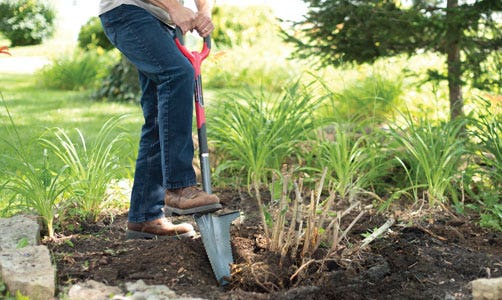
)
(25, 265)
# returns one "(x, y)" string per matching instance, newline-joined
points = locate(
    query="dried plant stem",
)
(375, 234)
(309, 230)
(301, 268)
(336, 221)
(262, 213)
(279, 224)
(344, 234)
(296, 214)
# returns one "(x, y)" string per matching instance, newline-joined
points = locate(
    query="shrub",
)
(484, 176)
(238, 67)
(92, 35)
(355, 161)
(77, 71)
(121, 84)
(26, 22)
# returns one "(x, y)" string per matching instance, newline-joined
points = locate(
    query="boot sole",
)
(137, 235)
(170, 211)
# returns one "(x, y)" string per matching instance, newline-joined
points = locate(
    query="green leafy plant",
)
(92, 35)
(355, 160)
(91, 165)
(6, 295)
(78, 71)
(486, 132)
(484, 177)
(26, 22)
(229, 69)
(35, 188)
(231, 29)
(121, 84)
(257, 133)
(433, 153)
(369, 101)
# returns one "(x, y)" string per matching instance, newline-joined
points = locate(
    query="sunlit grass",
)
(35, 109)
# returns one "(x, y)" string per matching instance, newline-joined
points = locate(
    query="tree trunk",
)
(453, 35)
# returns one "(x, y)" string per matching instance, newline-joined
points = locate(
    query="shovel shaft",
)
(202, 135)
(215, 230)
(196, 59)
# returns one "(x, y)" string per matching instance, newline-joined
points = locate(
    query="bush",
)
(75, 72)
(26, 22)
(121, 84)
(92, 35)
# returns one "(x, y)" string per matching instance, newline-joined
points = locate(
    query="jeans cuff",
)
(182, 184)
(141, 219)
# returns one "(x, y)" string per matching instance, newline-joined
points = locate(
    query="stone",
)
(487, 289)
(92, 290)
(140, 291)
(30, 271)
(19, 231)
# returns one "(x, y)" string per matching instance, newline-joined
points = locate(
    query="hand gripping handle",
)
(194, 57)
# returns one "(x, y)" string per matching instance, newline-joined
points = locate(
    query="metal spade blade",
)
(215, 232)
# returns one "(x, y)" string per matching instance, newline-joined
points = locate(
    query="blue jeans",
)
(167, 82)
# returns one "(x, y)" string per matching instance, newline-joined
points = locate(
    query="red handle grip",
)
(194, 57)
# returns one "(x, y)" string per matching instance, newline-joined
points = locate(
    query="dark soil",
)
(432, 257)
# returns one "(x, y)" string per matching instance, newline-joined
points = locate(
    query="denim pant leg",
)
(147, 198)
(167, 82)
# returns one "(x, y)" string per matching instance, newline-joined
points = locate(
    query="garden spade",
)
(214, 228)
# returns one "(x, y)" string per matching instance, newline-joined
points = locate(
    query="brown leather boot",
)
(190, 200)
(159, 229)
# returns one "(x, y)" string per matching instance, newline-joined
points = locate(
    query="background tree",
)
(466, 32)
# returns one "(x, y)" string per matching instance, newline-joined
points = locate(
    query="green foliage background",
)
(92, 35)
(26, 22)
(266, 111)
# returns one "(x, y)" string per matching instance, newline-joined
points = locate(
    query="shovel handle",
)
(195, 58)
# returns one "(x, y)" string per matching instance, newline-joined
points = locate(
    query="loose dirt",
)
(431, 257)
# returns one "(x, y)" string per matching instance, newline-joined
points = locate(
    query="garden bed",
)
(428, 257)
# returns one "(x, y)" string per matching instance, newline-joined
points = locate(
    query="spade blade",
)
(215, 232)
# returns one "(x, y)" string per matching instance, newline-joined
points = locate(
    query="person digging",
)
(164, 179)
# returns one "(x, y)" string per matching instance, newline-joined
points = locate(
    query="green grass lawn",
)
(36, 109)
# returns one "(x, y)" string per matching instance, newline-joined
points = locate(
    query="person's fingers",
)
(184, 18)
(185, 27)
(203, 25)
